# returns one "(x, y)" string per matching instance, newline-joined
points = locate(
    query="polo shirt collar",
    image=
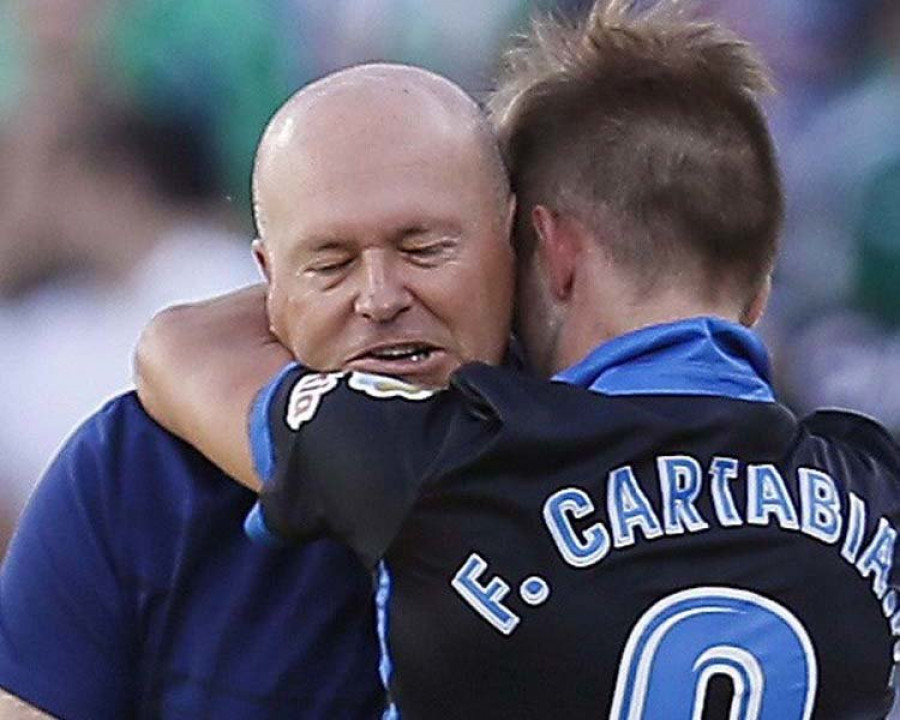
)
(697, 356)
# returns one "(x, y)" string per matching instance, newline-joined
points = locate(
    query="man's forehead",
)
(355, 205)
(358, 156)
(366, 129)
(367, 166)
(377, 119)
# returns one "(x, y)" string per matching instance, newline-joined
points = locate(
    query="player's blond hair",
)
(648, 119)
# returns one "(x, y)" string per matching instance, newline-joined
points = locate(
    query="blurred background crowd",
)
(127, 130)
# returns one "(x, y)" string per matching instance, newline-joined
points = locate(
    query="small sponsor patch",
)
(383, 388)
(306, 395)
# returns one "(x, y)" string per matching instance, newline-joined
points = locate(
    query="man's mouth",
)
(411, 352)
(416, 362)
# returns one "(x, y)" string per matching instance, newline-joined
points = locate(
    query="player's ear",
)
(261, 255)
(558, 246)
(757, 307)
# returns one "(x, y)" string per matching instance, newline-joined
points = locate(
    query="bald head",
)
(383, 213)
(373, 110)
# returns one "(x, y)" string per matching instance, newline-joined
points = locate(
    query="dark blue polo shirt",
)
(130, 590)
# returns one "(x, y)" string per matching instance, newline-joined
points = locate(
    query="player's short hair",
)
(647, 122)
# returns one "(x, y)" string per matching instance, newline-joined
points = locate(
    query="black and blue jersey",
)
(650, 536)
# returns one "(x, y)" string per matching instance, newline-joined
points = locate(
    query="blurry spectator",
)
(7, 522)
(46, 89)
(131, 208)
(216, 63)
(817, 50)
(876, 287)
(120, 123)
(10, 59)
(459, 39)
(839, 285)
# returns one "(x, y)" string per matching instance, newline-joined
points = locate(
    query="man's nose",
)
(383, 294)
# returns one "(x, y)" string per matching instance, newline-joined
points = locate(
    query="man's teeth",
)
(417, 354)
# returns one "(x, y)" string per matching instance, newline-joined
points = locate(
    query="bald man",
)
(389, 177)
(129, 589)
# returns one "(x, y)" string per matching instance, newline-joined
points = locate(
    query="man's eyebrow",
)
(433, 226)
(306, 248)
(325, 244)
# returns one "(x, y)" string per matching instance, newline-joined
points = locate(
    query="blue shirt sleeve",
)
(262, 445)
(65, 643)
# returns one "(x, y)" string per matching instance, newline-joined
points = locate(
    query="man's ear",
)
(757, 307)
(261, 255)
(558, 245)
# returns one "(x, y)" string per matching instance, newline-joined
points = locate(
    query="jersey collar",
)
(699, 356)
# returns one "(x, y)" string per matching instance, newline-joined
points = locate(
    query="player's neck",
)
(587, 328)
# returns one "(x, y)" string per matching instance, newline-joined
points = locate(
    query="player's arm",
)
(353, 474)
(13, 708)
(198, 368)
(346, 455)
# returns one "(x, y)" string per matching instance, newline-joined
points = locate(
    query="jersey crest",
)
(307, 394)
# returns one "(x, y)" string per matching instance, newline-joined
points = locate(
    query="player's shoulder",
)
(855, 432)
(506, 391)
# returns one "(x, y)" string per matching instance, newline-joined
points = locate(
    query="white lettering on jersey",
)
(382, 387)
(578, 548)
(822, 516)
(680, 482)
(307, 394)
(768, 495)
(722, 470)
(878, 557)
(820, 506)
(628, 508)
(485, 599)
(855, 527)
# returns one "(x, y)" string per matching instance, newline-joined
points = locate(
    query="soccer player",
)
(130, 590)
(650, 535)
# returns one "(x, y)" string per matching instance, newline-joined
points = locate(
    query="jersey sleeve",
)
(346, 455)
(64, 646)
